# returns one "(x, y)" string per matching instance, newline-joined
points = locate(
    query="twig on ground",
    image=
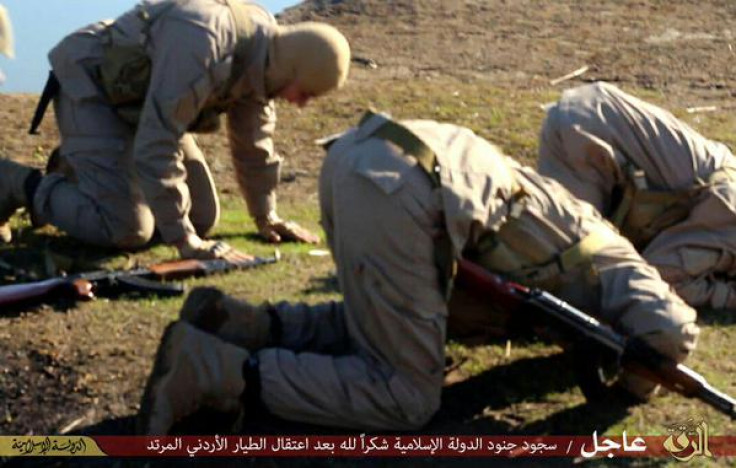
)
(72, 425)
(694, 110)
(570, 75)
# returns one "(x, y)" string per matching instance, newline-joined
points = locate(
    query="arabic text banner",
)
(370, 446)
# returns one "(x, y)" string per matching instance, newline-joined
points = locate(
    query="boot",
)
(12, 192)
(193, 370)
(235, 321)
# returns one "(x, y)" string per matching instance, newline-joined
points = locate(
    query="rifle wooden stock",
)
(485, 284)
(634, 355)
(178, 269)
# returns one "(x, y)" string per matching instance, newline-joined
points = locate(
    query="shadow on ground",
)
(716, 317)
(323, 285)
(464, 406)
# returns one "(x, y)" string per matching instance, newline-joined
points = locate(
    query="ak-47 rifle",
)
(575, 326)
(146, 280)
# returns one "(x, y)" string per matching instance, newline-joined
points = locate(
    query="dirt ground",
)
(82, 369)
(684, 48)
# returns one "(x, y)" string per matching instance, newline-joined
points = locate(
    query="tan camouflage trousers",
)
(102, 204)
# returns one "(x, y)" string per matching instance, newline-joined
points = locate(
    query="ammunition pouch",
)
(643, 213)
(125, 71)
(531, 261)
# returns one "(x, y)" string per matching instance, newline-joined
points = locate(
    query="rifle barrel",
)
(15, 293)
(578, 320)
(718, 400)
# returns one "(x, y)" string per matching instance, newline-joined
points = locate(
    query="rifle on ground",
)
(575, 326)
(142, 281)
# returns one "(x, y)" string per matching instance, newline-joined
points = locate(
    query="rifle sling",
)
(413, 146)
(50, 90)
(410, 144)
(642, 213)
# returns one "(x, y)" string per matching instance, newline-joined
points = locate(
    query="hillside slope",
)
(685, 46)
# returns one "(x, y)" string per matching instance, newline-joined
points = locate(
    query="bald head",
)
(315, 56)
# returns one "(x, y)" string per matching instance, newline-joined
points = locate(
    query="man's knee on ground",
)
(420, 418)
(204, 226)
(418, 407)
(135, 234)
(205, 210)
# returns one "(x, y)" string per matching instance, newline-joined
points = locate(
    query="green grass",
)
(109, 344)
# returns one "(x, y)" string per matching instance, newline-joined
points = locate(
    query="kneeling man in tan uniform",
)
(393, 194)
(128, 96)
(670, 190)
